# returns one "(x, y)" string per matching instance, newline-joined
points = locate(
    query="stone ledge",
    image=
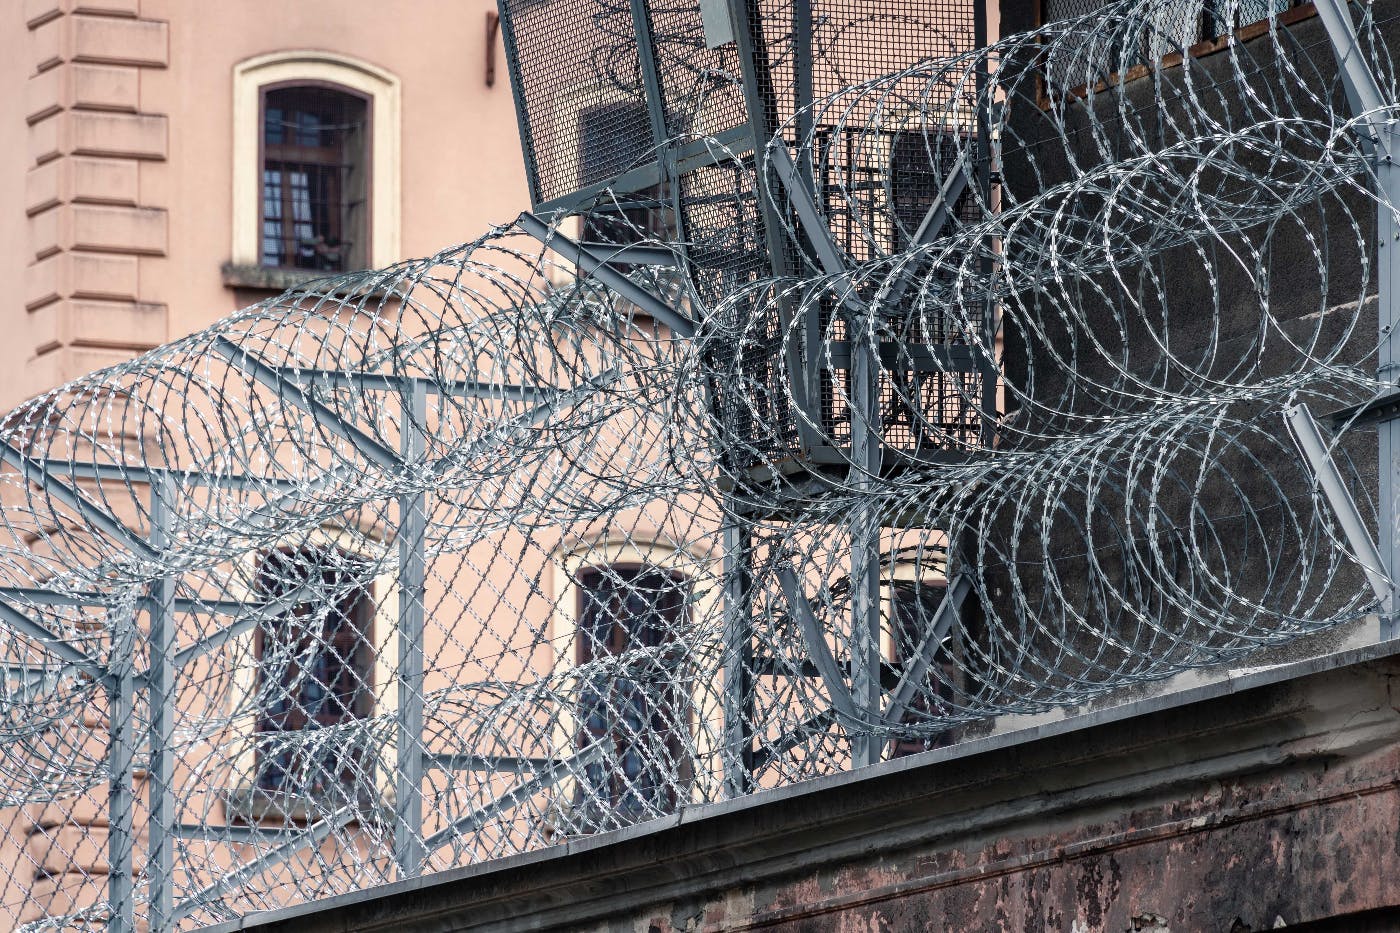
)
(271, 279)
(1212, 785)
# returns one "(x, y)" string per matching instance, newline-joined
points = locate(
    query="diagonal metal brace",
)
(933, 223)
(250, 614)
(92, 513)
(1329, 480)
(933, 639)
(818, 233)
(817, 648)
(598, 267)
(1363, 91)
(249, 870)
(328, 419)
(517, 795)
(64, 649)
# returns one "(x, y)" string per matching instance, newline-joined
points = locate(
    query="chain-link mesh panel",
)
(579, 90)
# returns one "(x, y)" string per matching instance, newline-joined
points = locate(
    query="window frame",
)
(680, 703)
(646, 547)
(358, 257)
(304, 67)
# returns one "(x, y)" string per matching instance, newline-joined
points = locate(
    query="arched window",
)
(316, 154)
(634, 703)
(315, 178)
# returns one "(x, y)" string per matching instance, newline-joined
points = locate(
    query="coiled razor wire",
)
(427, 566)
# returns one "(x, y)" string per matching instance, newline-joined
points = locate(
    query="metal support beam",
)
(813, 224)
(160, 692)
(121, 767)
(1369, 102)
(93, 514)
(932, 224)
(817, 649)
(916, 672)
(1363, 91)
(271, 377)
(60, 647)
(738, 656)
(517, 795)
(249, 870)
(250, 614)
(392, 382)
(413, 520)
(1329, 481)
(133, 473)
(467, 761)
(866, 458)
(526, 419)
(610, 277)
(809, 727)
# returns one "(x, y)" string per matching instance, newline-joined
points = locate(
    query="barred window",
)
(315, 178)
(315, 670)
(633, 702)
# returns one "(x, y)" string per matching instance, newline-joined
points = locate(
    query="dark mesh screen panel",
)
(572, 57)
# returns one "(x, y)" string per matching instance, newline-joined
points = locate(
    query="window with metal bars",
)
(633, 701)
(315, 178)
(315, 665)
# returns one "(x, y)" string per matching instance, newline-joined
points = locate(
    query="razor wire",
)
(423, 567)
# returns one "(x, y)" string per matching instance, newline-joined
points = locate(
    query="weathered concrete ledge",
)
(1258, 801)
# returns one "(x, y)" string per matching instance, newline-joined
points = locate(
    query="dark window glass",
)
(638, 713)
(314, 179)
(315, 667)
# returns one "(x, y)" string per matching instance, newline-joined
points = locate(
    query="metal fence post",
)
(409, 852)
(738, 656)
(1388, 361)
(1376, 112)
(121, 709)
(160, 682)
(865, 546)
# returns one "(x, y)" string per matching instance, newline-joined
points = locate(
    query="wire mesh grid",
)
(412, 569)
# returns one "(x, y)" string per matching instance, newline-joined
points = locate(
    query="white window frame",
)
(381, 88)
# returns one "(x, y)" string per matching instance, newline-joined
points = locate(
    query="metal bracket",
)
(1329, 480)
(597, 266)
(1384, 408)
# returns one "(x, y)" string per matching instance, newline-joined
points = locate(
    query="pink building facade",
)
(132, 184)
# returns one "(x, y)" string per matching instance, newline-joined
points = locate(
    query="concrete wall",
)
(1265, 802)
